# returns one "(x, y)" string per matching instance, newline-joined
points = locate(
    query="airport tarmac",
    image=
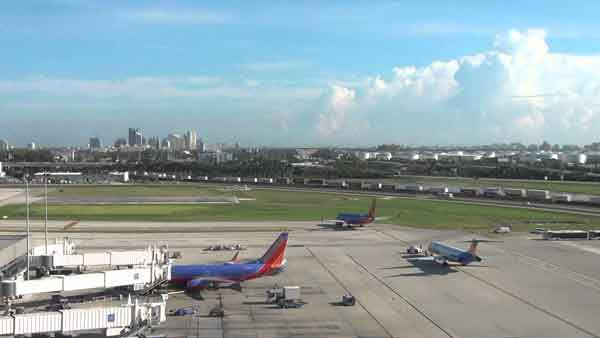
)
(525, 287)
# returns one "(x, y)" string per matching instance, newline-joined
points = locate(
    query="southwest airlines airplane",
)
(348, 219)
(232, 273)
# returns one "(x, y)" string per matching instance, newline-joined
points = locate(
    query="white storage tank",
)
(95, 318)
(39, 322)
(511, 192)
(538, 194)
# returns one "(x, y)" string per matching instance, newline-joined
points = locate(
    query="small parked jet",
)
(197, 277)
(442, 253)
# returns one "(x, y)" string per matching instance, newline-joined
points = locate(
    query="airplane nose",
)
(477, 258)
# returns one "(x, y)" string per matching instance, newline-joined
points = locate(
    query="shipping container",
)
(438, 190)
(95, 318)
(594, 234)
(510, 192)
(265, 180)
(116, 278)
(538, 194)
(413, 187)
(562, 198)
(7, 325)
(365, 185)
(595, 200)
(28, 287)
(96, 258)
(492, 192)
(39, 322)
(284, 180)
(470, 192)
(87, 281)
(565, 234)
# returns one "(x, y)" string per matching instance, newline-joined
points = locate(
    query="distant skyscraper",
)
(177, 142)
(135, 137)
(191, 138)
(154, 142)
(4, 145)
(31, 146)
(95, 143)
(120, 142)
(200, 145)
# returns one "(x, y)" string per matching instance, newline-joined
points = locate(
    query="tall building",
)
(120, 142)
(154, 142)
(191, 138)
(95, 143)
(200, 145)
(4, 145)
(135, 137)
(31, 146)
(177, 142)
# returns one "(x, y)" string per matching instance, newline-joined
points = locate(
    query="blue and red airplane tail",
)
(275, 256)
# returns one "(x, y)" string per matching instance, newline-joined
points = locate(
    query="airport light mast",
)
(46, 211)
(27, 223)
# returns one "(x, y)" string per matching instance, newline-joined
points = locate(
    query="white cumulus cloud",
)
(518, 90)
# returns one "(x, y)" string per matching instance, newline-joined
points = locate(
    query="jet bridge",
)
(65, 270)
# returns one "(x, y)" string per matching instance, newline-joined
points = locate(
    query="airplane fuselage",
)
(358, 219)
(233, 273)
(452, 254)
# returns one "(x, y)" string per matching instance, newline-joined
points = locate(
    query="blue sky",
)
(301, 72)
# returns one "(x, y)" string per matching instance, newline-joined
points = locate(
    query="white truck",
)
(285, 297)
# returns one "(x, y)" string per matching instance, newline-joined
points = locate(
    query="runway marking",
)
(547, 266)
(347, 290)
(525, 301)
(517, 297)
(414, 307)
(582, 247)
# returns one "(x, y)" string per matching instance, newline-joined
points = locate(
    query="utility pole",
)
(27, 223)
(46, 213)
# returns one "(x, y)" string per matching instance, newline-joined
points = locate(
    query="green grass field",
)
(269, 205)
(556, 186)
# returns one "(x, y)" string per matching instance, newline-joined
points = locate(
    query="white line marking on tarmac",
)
(587, 248)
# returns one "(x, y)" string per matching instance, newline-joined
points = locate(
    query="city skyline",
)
(301, 74)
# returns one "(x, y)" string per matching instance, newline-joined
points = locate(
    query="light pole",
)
(27, 223)
(46, 213)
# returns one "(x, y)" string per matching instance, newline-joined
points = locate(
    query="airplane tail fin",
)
(372, 209)
(234, 259)
(275, 256)
(473, 247)
(474, 242)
